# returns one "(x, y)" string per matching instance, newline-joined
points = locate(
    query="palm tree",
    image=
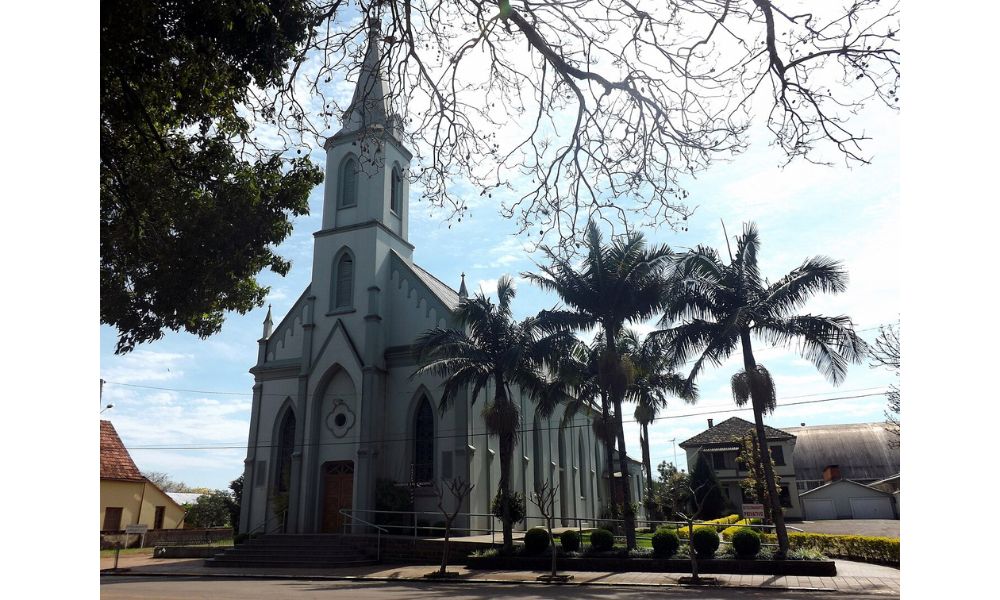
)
(653, 383)
(616, 284)
(493, 349)
(727, 305)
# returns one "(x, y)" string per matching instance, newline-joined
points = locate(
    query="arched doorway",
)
(338, 493)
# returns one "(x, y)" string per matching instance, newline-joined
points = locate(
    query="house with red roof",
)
(128, 498)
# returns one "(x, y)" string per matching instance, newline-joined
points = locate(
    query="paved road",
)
(880, 527)
(196, 588)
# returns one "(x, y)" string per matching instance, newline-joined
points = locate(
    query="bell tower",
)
(367, 166)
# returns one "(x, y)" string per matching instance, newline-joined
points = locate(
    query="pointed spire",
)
(368, 105)
(463, 292)
(268, 324)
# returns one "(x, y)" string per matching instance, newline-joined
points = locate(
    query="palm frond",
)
(815, 275)
(830, 343)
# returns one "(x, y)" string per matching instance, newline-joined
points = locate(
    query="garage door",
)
(871, 508)
(817, 509)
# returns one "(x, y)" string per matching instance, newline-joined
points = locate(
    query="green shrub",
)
(602, 540)
(665, 543)
(570, 540)
(854, 547)
(536, 540)
(746, 543)
(705, 541)
(516, 507)
(239, 538)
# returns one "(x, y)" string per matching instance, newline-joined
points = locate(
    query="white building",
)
(335, 403)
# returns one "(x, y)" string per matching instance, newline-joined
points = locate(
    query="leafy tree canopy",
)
(211, 510)
(189, 215)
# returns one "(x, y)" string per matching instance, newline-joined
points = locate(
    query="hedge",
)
(857, 547)
(682, 531)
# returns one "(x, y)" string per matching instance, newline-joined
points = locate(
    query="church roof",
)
(116, 463)
(439, 288)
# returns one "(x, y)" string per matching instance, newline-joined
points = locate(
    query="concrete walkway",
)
(852, 576)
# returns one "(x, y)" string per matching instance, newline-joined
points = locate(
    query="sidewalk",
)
(852, 576)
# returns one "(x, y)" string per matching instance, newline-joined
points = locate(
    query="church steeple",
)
(463, 292)
(367, 165)
(369, 106)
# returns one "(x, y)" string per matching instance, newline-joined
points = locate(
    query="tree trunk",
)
(609, 448)
(646, 462)
(444, 556)
(765, 453)
(617, 392)
(506, 453)
(627, 513)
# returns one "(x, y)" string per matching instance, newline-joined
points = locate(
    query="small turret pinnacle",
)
(463, 292)
(268, 324)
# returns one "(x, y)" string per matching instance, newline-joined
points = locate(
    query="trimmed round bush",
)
(536, 540)
(705, 541)
(602, 540)
(665, 543)
(570, 540)
(746, 543)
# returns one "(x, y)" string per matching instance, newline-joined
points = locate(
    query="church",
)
(336, 407)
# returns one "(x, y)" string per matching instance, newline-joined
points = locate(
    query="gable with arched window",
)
(348, 193)
(423, 442)
(396, 190)
(342, 282)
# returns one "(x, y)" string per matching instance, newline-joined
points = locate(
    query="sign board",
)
(136, 529)
(753, 511)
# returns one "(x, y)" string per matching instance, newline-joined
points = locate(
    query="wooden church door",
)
(338, 493)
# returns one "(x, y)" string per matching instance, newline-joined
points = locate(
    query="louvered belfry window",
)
(349, 183)
(396, 191)
(345, 282)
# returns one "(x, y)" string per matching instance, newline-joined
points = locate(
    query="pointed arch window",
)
(423, 442)
(582, 466)
(396, 190)
(343, 282)
(349, 183)
(286, 444)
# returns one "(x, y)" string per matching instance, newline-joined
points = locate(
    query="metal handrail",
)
(263, 525)
(578, 522)
(378, 543)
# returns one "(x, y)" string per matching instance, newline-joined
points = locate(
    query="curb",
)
(475, 581)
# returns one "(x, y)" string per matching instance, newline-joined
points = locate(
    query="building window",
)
(112, 518)
(423, 442)
(718, 460)
(158, 517)
(286, 443)
(785, 497)
(778, 455)
(582, 466)
(343, 293)
(348, 183)
(536, 442)
(396, 193)
(261, 476)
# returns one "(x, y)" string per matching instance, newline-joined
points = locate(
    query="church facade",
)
(336, 405)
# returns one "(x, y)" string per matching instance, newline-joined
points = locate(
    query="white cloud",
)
(145, 366)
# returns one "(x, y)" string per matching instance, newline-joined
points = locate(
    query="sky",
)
(182, 404)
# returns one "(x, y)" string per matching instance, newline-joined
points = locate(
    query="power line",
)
(234, 446)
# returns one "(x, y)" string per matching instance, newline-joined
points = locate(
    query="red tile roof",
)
(115, 460)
